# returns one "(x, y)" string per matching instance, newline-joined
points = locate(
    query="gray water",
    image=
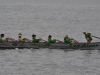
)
(55, 17)
(49, 62)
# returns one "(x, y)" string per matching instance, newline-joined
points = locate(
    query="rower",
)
(5, 39)
(88, 37)
(50, 40)
(19, 38)
(34, 40)
(67, 40)
(2, 37)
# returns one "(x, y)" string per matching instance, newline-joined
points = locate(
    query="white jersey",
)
(3, 39)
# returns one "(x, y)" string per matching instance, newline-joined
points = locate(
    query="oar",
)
(44, 40)
(96, 37)
(58, 40)
(74, 40)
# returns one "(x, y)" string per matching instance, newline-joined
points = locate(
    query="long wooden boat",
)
(81, 45)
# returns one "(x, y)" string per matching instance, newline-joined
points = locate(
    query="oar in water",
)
(96, 37)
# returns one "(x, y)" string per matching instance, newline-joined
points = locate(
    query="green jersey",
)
(67, 40)
(51, 41)
(0, 38)
(35, 40)
(88, 36)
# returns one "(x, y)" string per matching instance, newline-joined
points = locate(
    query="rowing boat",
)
(81, 45)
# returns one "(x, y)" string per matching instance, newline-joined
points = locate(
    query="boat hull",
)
(83, 46)
(13, 45)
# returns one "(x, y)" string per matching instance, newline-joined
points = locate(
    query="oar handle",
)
(43, 40)
(59, 41)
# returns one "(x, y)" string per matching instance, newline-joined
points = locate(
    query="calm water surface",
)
(49, 62)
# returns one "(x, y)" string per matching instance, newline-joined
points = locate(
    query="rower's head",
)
(2, 35)
(84, 32)
(34, 36)
(19, 35)
(49, 36)
(66, 36)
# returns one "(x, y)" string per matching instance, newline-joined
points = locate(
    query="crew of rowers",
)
(67, 40)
